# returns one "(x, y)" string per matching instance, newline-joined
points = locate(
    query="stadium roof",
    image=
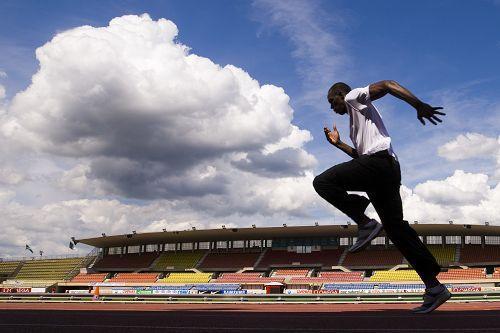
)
(189, 236)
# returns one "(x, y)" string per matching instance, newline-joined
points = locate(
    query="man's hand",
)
(332, 137)
(424, 110)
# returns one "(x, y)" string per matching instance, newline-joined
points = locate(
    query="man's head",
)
(336, 96)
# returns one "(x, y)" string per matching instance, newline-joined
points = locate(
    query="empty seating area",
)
(186, 278)
(49, 269)
(250, 277)
(325, 258)
(374, 256)
(126, 261)
(291, 272)
(476, 254)
(89, 277)
(444, 254)
(463, 274)
(402, 275)
(134, 277)
(7, 268)
(325, 277)
(229, 260)
(177, 260)
(342, 276)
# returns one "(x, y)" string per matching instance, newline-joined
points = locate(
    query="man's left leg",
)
(387, 203)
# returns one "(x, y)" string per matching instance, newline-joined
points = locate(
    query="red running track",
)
(152, 318)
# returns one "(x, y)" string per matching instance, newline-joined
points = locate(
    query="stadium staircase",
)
(342, 257)
(197, 266)
(10, 268)
(457, 253)
(259, 259)
(86, 262)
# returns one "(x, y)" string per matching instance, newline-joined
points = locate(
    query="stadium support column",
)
(443, 241)
(386, 242)
(462, 241)
(424, 239)
(483, 241)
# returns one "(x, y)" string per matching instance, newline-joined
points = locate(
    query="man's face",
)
(337, 103)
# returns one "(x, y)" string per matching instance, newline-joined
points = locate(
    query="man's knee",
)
(317, 183)
(320, 182)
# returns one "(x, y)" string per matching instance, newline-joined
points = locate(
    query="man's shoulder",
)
(358, 96)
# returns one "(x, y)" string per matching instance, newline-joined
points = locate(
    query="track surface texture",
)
(152, 318)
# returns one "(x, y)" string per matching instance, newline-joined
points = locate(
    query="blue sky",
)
(427, 46)
(445, 52)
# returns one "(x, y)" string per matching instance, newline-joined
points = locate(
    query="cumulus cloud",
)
(470, 145)
(9, 176)
(150, 118)
(433, 205)
(460, 189)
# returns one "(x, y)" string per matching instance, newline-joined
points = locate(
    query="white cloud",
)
(148, 116)
(435, 205)
(9, 176)
(127, 112)
(470, 145)
(460, 189)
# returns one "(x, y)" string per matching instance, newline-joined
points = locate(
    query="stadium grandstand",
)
(294, 259)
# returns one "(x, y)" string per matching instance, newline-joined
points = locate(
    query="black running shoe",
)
(366, 233)
(432, 301)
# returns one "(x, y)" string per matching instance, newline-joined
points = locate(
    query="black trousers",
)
(379, 175)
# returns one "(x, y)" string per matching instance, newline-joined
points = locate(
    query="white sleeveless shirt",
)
(367, 131)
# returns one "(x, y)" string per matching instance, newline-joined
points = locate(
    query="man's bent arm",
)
(347, 149)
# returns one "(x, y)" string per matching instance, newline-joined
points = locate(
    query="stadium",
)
(249, 166)
(270, 260)
(303, 265)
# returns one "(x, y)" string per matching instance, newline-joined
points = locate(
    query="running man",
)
(374, 169)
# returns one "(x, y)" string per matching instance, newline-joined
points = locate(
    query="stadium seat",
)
(177, 260)
(463, 274)
(444, 254)
(229, 260)
(290, 272)
(250, 277)
(7, 268)
(186, 278)
(89, 277)
(401, 275)
(134, 277)
(373, 257)
(50, 269)
(476, 254)
(132, 261)
(325, 258)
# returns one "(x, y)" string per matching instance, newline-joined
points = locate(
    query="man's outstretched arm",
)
(424, 110)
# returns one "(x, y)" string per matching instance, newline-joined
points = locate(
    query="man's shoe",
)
(432, 301)
(365, 235)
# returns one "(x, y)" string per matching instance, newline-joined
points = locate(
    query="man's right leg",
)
(333, 184)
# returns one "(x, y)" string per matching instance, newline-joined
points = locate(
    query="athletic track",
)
(152, 318)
